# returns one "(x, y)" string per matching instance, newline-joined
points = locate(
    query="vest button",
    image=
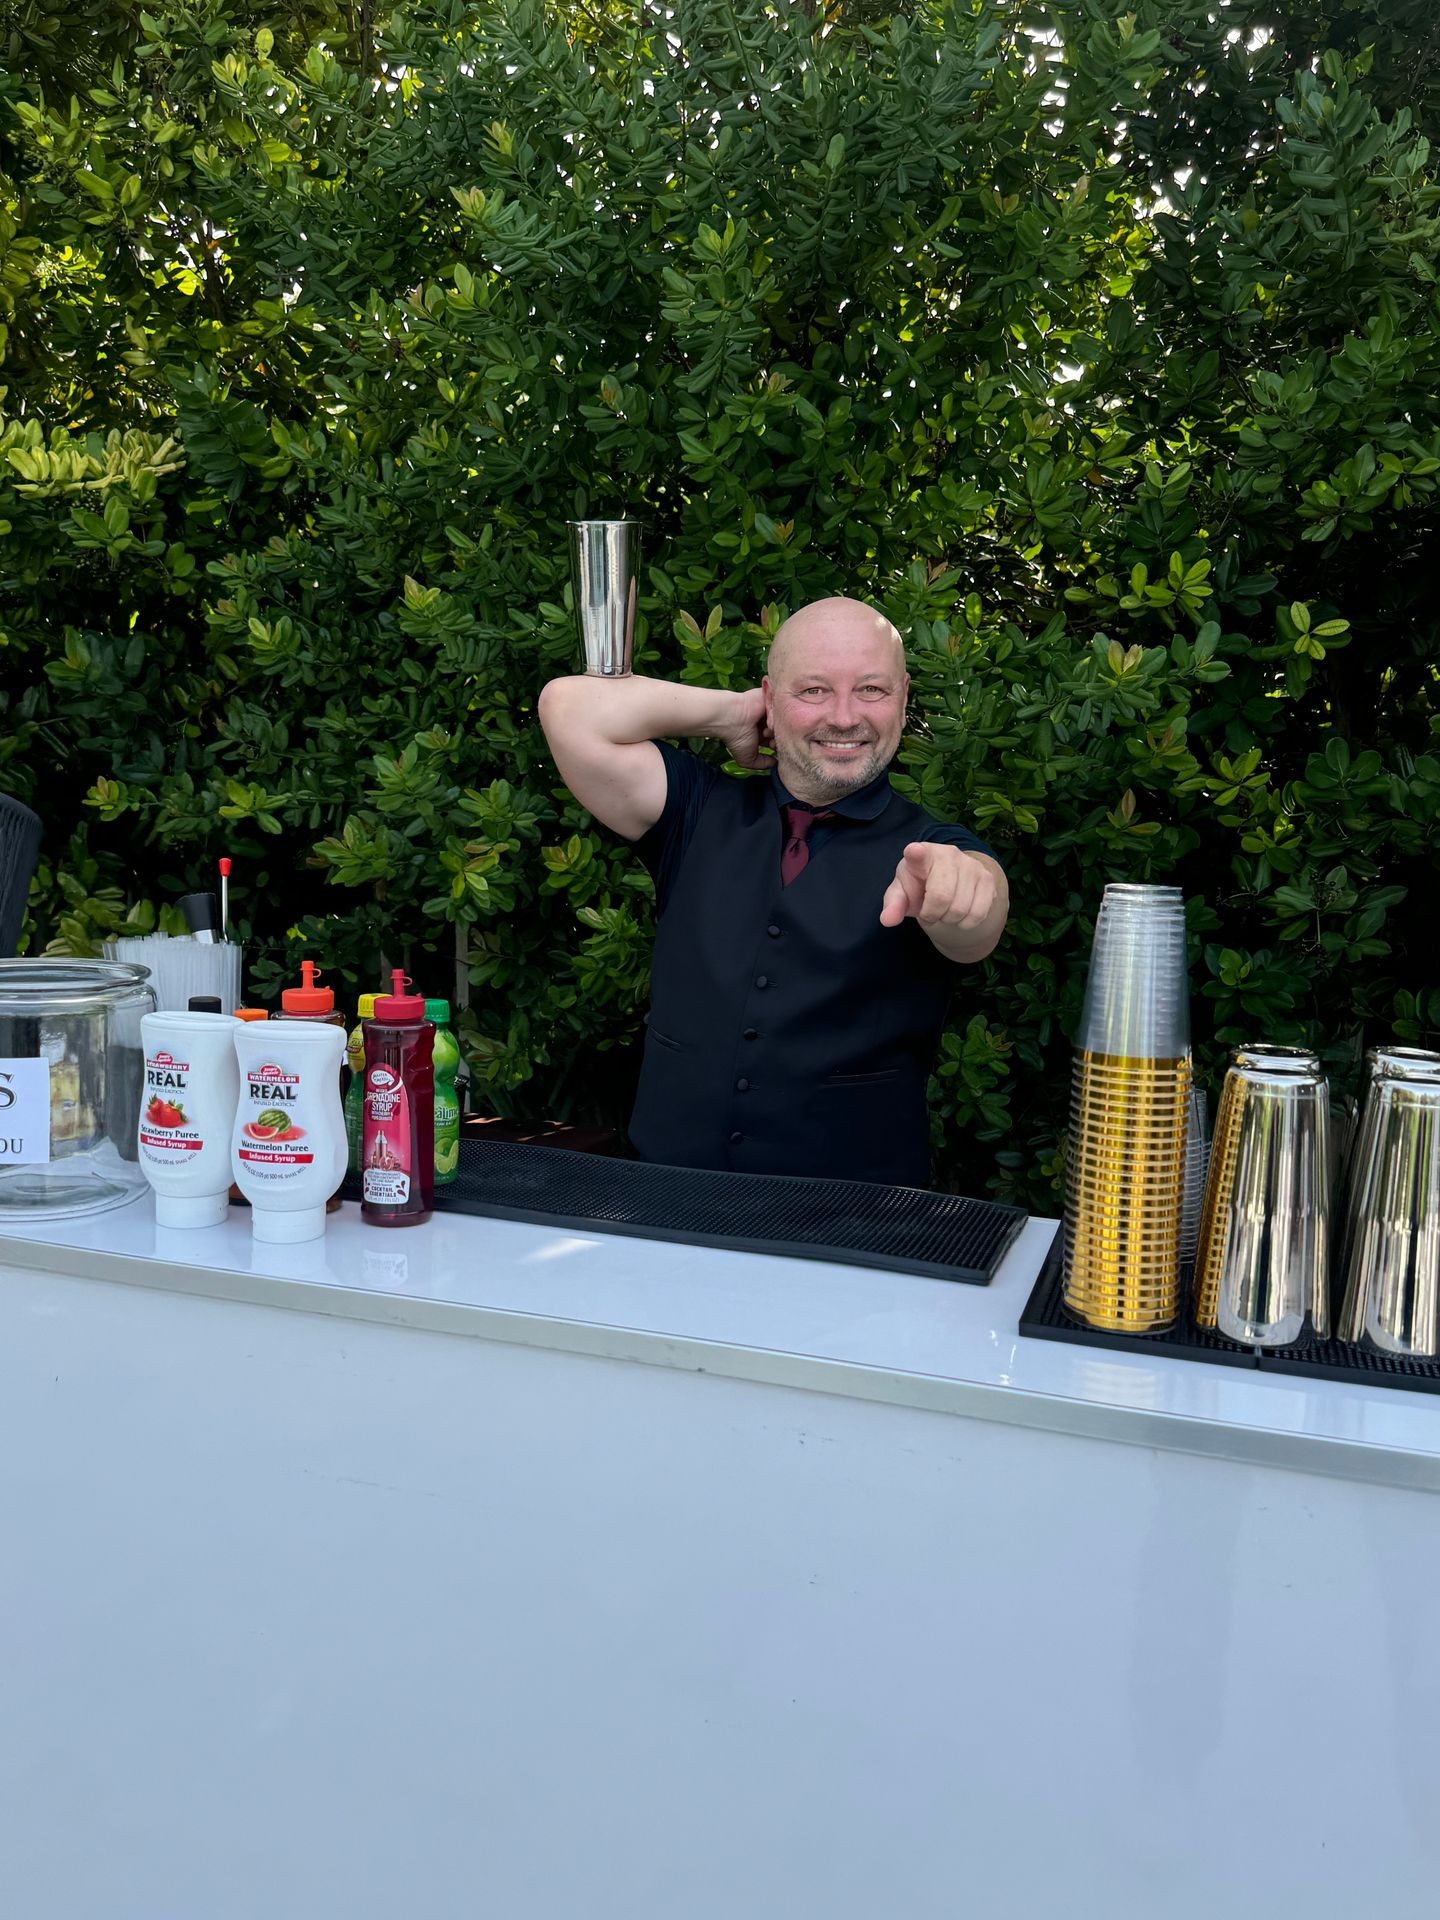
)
(751, 1033)
(762, 980)
(736, 1138)
(742, 1086)
(774, 932)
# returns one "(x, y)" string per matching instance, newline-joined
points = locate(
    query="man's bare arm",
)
(602, 733)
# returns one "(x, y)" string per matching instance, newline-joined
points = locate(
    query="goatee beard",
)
(833, 783)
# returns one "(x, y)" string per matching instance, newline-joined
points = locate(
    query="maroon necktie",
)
(795, 854)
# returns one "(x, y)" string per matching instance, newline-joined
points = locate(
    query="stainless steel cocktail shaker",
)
(1262, 1265)
(604, 573)
(1391, 1249)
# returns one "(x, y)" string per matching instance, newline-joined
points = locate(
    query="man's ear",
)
(769, 694)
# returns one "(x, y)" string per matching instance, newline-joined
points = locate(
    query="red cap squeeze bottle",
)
(399, 1008)
(309, 1002)
(397, 1148)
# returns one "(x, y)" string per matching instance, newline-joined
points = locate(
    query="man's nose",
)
(844, 712)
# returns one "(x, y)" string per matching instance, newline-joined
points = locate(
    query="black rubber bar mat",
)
(1338, 1360)
(1046, 1318)
(902, 1229)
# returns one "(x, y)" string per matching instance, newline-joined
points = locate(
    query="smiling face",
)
(835, 698)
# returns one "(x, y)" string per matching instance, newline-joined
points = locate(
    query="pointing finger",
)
(895, 905)
(904, 895)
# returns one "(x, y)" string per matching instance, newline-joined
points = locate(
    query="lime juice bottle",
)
(447, 1097)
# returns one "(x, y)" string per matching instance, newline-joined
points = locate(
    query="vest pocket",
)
(868, 1126)
(673, 1120)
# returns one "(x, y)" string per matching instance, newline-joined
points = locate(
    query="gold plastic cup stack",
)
(1197, 1155)
(1129, 1102)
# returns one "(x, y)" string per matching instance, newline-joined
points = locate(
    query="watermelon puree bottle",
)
(309, 1002)
(397, 1153)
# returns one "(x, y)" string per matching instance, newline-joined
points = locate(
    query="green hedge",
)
(1096, 341)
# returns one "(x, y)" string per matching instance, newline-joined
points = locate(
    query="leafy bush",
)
(1096, 341)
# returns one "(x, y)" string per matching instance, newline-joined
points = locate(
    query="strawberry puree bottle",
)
(397, 1156)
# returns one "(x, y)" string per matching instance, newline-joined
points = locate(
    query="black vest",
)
(789, 1032)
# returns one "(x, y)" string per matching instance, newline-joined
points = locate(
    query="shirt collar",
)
(866, 803)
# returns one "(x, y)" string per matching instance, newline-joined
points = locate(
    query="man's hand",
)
(958, 898)
(747, 733)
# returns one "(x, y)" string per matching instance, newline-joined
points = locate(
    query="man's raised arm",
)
(602, 733)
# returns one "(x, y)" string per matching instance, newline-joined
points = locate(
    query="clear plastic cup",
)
(1137, 993)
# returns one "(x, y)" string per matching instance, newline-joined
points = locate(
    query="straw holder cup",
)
(604, 577)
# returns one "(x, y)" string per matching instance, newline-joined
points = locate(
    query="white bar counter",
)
(485, 1569)
(797, 1323)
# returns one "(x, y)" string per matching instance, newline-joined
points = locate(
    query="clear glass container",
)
(82, 1018)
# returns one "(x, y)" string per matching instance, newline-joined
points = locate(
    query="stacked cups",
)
(1128, 1111)
(1262, 1265)
(1193, 1193)
(1390, 1253)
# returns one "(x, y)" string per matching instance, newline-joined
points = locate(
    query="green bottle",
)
(355, 1092)
(447, 1098)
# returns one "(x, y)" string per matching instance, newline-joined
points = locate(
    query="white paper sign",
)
(24, 1112)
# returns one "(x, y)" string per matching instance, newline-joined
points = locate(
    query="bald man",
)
(811, 926)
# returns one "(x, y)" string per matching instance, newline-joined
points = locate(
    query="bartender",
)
(812, 925)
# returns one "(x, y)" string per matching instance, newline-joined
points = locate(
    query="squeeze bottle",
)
(309, 1002)
(447, 1093)
(398, 1140)
(187, 1111)
(288, 1147)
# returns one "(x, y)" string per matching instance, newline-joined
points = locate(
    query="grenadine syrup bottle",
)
(397, 1155)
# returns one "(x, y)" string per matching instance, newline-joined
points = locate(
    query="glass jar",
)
(82, 1019)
